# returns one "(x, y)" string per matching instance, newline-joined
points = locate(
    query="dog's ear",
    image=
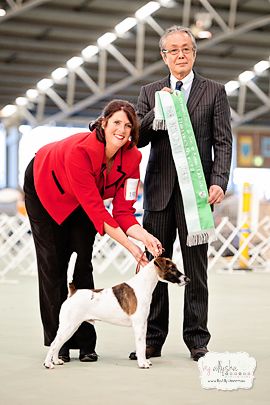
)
(160, 262)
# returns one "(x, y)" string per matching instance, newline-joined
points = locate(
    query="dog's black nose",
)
(187, 280)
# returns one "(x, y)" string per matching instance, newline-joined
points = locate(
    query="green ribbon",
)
(171, 113)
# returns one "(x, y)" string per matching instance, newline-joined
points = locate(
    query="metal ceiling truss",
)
(16, 7)
(240, 116)
(34, 113)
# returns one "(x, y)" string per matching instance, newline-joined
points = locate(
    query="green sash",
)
(171, 113)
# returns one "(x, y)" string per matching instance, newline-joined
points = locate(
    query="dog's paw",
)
(48, 364)
(58, 362)
(144, 364)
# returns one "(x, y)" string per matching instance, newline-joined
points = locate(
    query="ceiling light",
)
(74, 62)
(21, 101)
(246, 76)
(2, 12)
(147, 10)
(32, 94)
(44, 84)
(89, 52)
(59, 73)
(106, 39)
(203, 21)
(125, 25)
(8, 110)
(231, 86)
(167, 3)
(204, 35)
(261, 66)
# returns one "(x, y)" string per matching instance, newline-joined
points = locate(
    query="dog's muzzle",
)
(183, 280)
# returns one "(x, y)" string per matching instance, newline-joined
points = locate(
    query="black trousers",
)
(164, 224)
(54, 244)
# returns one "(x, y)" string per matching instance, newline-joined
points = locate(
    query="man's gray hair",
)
(172, 30)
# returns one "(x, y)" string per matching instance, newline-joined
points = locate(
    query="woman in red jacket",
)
(65, 185)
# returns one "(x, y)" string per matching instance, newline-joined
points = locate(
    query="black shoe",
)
(88, 357)
(151, 351)
(64, 354)
(197, 352)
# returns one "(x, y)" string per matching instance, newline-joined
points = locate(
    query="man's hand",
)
(216, 194)
(168, 89)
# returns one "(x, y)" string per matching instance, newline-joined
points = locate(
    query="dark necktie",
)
(178, 85)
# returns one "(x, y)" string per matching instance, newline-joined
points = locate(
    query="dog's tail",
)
(70, 272)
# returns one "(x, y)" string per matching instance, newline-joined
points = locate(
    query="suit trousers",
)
(54, 244)
(164, 224)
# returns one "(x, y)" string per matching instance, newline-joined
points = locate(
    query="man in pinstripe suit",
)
(209, 112)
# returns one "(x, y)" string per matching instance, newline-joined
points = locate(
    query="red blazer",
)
(72, 172)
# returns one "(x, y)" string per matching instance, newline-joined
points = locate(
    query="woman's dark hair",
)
(111, 108)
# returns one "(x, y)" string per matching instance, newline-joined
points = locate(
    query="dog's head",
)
(168, 272)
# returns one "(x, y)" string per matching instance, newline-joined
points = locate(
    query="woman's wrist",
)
(131, 247)
(139, 233)
(145, 237)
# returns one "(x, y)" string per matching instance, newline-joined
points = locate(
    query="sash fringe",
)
(198, 238)
(159, 125)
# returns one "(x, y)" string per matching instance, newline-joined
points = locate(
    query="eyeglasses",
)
(176, 51)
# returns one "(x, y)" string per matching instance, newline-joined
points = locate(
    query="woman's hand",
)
(153, 245)
(138, 254)
(118, 235)
(137, 232)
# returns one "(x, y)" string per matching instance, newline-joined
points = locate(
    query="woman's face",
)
(117, 130)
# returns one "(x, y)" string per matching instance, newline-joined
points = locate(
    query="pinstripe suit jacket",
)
(210, 116)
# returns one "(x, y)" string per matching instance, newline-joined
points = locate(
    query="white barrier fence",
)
(227, 245)
(17, 253)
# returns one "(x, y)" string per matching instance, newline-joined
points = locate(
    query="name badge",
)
(131, 189)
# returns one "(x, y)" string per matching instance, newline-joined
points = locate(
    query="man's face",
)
(181, 56)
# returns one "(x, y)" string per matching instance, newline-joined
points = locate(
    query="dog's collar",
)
(138, 264)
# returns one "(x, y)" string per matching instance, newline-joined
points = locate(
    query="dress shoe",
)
(64, 354)
(197, 352)
(151, 351)
(88, 357)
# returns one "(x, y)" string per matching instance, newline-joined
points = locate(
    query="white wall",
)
(33, 139)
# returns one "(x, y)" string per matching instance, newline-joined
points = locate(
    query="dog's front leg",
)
(139, 329)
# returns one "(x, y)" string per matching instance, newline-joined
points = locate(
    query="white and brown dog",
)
(126, 304)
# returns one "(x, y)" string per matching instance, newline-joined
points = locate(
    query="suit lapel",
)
(99, 163)
(196, 92)
(116, 174)
(164, 83)
(96, 151)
